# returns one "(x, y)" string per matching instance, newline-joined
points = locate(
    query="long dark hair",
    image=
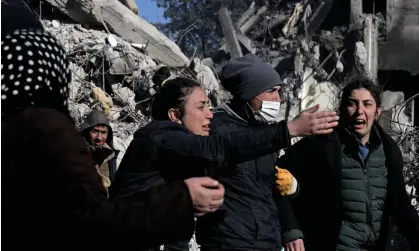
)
(173, 94)
(355, 84)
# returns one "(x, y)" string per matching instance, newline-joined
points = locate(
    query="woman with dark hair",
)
(176, 144)
(352, 180)
(53, 198)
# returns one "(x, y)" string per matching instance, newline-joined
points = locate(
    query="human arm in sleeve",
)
(218, 150)
(161, 214)
(290, 228)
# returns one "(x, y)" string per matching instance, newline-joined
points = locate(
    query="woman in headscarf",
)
(52, 196)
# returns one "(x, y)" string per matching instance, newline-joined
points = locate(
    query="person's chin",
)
(205, 133)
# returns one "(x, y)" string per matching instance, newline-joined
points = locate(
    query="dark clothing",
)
(52, 195)
(364, 189)
(317, 163)
(105, 158)
(164, 151)
(250, 216)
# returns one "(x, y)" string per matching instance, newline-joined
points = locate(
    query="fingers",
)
(313, 109)
(300, 245)
(216, 194)
(319, 115)
(207, 182)
(290, 247)
(215, 204)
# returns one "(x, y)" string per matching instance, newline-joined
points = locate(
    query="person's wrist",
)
(292, 130)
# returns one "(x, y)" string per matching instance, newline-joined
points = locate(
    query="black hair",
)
(173, 94)
(356, 84)
(161, 74)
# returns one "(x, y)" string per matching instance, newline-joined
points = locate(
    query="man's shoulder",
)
(226, 120)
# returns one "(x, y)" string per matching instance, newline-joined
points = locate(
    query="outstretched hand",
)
(311, 122)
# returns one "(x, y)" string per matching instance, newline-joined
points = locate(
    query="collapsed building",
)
(118, 59)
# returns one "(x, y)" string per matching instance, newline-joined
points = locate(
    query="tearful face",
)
(99, 135)
(198, 115)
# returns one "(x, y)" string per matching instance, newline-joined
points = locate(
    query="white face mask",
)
(269, 112)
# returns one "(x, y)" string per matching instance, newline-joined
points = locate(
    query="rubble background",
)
(119, 76)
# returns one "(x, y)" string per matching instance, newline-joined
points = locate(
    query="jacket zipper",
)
(367, 191)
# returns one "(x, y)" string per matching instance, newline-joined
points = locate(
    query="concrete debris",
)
(361, 54)
(114, 75)
(117, 18)
(120, 61)
(391, 99)
(206, 77)
(289, 28)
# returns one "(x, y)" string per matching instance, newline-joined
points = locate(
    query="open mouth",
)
(206, 127)
(98, 143)
(359, 124)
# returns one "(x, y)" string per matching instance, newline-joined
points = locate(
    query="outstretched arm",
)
(218, 150)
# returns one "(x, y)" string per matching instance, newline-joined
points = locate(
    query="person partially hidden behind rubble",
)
(177, 144)
(352, 190)
(52, 196)
(98, 135)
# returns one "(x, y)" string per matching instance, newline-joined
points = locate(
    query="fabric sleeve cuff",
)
(292, 235)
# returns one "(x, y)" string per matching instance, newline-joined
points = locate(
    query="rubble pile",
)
(288, 36)
(106, 73)
(117, 69)
(313, 62)
(115, 76)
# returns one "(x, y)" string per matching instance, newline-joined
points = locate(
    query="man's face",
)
(99, 135)
(269, 95)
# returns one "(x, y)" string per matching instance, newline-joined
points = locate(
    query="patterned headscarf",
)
(34, 66)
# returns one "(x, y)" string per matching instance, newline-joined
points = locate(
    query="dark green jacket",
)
(364, 188)
(316, 162)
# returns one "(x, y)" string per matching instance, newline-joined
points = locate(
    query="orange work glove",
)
(285, 182)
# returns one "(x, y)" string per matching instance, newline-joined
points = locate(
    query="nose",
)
(360, 109)
(209, 114)
(276, 97)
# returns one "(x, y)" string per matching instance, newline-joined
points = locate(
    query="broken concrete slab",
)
(391, 99)
(229, 33)
(206, 77)
(120, 20)
(120, 63)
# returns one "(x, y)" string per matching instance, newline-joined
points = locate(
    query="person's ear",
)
(174, 115)
(378, 112)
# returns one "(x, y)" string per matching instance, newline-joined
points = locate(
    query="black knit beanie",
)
(248, 76)
(34, 66)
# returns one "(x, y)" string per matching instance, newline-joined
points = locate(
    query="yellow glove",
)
(285, 182)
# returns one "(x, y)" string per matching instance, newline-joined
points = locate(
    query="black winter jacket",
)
(53, 197)
(252, 210)
(317, 164)
(164, 151)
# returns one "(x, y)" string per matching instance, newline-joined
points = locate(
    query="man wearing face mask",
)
(254, 216)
